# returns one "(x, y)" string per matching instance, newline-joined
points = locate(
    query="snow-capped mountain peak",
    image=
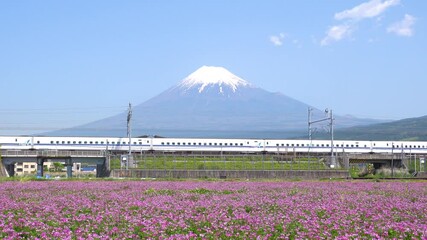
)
(208, 75)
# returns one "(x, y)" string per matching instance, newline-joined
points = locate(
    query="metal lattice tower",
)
(129, 118)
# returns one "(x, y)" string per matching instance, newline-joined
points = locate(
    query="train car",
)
(210, 145)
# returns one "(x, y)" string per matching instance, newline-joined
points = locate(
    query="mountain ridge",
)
(404, 129)
(213, 99)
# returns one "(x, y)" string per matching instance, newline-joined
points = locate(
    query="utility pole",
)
(392, 160)
(331, 125)
(329, 118)
(309, 123)
(129, 135)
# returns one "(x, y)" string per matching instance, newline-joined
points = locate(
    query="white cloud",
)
(404, 27)
(336, 33)
(350, 19)
(369, 9)
(277, 40)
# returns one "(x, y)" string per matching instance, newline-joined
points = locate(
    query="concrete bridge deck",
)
(10, 157)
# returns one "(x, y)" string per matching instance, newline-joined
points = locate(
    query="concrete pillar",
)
(10, 168)
(99, 170)
(346, 162)
(40, 162)
(69, 164)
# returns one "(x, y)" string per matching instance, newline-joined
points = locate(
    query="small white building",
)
(27, 168)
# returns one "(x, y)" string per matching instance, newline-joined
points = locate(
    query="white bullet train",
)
(208, 145)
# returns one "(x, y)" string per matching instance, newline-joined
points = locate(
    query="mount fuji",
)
(213, 102)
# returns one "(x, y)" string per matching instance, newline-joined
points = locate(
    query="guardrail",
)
(51, 153)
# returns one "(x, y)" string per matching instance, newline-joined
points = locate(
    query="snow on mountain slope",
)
(208, 75)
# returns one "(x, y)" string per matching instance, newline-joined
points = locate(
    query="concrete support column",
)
(102, 169)
(10, 168)
(40, 162)
(346, 162)
(69, 165)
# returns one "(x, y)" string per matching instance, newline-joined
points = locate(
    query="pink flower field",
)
(212, 210)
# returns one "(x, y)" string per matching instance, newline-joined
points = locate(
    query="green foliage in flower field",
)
(168, 162)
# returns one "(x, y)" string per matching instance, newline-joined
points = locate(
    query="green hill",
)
(410, 129)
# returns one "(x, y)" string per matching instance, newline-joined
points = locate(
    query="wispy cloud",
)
(351, 17)
(369, 9)
(277, 40)
(336, 33)
(403, 27)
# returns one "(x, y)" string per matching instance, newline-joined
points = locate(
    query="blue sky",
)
(65, 63)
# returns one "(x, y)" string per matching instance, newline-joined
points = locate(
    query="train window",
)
(173, 143)
(57, 142)
(297, 145)
(374, 144)
(352, 145)
(163, 143)
(210, 144)
(302, 145)
(327, 145)
(241, 144)
(63, 142)
(113, 142)
(292, 144)
(277, 144)
(102, 142)
(134, 143)
(194, 143)
(406, 146)
(183, 143)
(85, 142)
(357, 145)
(38, 142)
(323, 145)
(200, 143)
(189, 143)
(225, 144)
(205, 144)
(90, 142)
(220, 144)
(215, 144)
(346, 145)
(68, 142)
(51, 142)
(365, 146)
(247, 143)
